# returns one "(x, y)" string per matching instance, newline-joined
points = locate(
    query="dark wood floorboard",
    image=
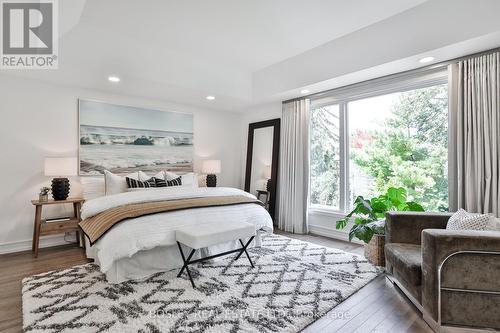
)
(378, 307)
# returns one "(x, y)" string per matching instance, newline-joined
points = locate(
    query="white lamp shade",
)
(211, 167)
(60, 166)
(267, 172)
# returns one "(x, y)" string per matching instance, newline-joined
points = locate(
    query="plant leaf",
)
(341, 224)
(415, 207)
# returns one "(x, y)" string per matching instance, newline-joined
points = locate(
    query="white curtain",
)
(475, 134)
(294, 167)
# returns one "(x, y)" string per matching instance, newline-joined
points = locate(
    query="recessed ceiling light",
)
(304, 91)
(210, 98)
(113, 78)
(426, 60)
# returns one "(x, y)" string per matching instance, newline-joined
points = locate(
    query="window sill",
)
(318, 210)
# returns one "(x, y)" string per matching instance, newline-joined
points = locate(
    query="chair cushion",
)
(406, 259)
(204, 235)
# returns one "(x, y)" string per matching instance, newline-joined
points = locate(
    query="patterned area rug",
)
(292, 285)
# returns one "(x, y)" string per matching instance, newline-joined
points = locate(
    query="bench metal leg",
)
(188, 260)
(186, 263)
(244, 249)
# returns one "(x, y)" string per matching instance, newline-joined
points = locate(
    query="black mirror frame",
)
(275, 123)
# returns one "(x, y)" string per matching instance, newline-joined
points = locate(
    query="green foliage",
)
(325, 156)
(412, 150)
(367, 212)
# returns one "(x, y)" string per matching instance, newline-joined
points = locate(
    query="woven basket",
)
(374, 251)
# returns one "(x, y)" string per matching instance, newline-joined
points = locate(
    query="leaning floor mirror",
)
(262, 162)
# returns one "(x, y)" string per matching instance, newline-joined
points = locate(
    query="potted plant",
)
(369, 220)
(44, 194)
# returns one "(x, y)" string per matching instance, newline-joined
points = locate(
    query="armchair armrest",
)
(406, 227)
(468, 269)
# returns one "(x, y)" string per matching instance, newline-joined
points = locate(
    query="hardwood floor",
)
(378, 307)
(16, 266)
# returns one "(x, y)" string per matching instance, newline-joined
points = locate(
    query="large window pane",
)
(325, 156)
(400, 140)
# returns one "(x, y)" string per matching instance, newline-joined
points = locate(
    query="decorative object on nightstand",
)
(59, 167)
(211, 168)
(61, 225)
(44, 194)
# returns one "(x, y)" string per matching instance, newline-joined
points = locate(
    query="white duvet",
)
(148, 232)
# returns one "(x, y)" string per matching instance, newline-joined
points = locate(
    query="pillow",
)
(143, 176)
(160, 175)
(134, 183)
(189, 179)
(463, 220)
(493, 224)
(166, 183)
(114, 184)
(175, 182)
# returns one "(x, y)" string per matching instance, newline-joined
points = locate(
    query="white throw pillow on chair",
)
(462, 220)
(494, 224)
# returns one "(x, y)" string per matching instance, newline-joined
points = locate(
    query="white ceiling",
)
(184, 50)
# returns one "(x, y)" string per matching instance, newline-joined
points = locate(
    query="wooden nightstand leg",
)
(36, 230)
(79, 235)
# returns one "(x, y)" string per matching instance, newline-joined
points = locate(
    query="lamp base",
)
(60, 188)
(268, 185)
(211, 180)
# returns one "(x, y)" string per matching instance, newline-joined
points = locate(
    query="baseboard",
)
(332, 233)
(25, 245)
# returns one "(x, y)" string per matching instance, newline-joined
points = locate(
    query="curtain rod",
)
(416, 70)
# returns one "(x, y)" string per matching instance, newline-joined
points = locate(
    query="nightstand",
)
(266, 194)
(44, 227)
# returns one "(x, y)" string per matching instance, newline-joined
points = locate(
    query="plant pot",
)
(43, 197)
(374, 250)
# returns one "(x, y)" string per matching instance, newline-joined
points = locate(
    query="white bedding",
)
(130, 240)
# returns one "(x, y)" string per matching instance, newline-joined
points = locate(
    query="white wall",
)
(39, 119)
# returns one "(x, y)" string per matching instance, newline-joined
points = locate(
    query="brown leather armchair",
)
(453, 277)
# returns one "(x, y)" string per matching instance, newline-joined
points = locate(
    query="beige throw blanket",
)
(96, 226)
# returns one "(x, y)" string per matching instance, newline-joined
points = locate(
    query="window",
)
(395, 139)
(325, 156)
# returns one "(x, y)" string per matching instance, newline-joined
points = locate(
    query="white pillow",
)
(493, 224)
(160, 175)
(114, 184)
(463, 220)
(188, 180)
(144, 176)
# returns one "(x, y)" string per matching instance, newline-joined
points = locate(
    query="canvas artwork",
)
(124, 139)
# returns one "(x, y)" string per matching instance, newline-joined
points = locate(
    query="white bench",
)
(205, 235)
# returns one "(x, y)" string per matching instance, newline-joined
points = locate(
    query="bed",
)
(139, 247)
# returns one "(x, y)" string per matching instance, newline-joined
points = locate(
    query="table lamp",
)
(60, 168)
(267, 176)
(210, 168)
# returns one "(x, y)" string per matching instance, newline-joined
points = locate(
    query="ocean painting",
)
(125, 139)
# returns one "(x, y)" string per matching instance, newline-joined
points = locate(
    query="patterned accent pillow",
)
(134, 183)
(160, 182)
(463, 220)
(167, 183)
(174, 182)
